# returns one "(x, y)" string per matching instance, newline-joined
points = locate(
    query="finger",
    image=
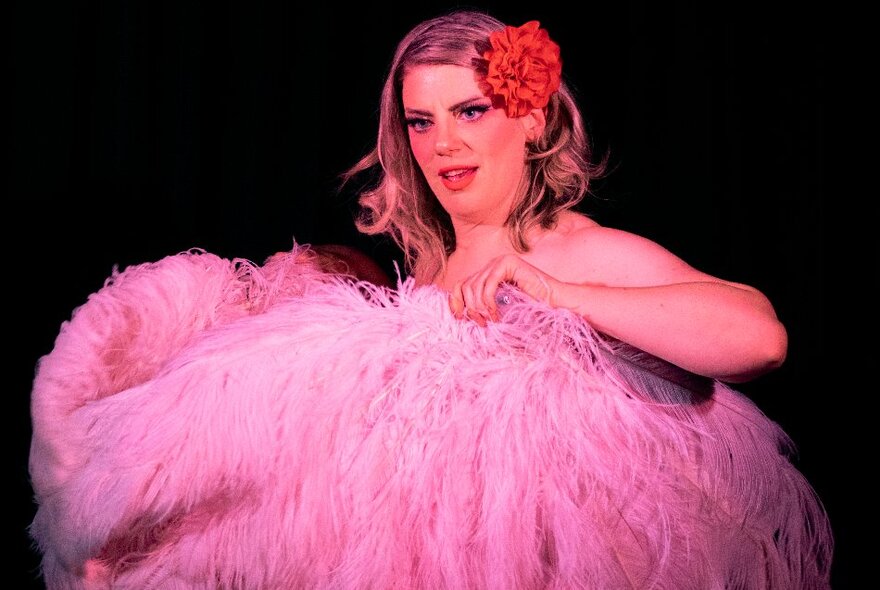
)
(499, 274)
(471, 293)
(487, 296)
(456, 301)
(471, 301)
(476, 316)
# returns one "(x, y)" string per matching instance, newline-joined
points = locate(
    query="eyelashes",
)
(418, 125)
(474, 112)
(467, 113)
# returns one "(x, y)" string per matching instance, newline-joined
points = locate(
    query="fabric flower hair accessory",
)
(525, 68)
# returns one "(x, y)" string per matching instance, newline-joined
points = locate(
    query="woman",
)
(471, 211)
(541, 405)
(483, 157)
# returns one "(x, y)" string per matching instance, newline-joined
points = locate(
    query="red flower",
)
(524, 68)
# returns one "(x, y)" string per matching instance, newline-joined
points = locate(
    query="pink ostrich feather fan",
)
(210, 423)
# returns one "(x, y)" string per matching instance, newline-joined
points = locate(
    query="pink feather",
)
(205, 423)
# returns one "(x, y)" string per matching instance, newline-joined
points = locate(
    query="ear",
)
(533, 124)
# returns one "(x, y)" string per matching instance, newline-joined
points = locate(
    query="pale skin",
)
(624, 285)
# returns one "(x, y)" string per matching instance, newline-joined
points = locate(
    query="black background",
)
(141, 129)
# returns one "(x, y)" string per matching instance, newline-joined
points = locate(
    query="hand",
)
(474, 297)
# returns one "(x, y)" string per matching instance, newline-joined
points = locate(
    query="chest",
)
(564, 264)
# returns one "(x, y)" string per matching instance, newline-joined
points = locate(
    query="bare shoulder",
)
(608, 239)
(582, 250)
(570, 222)
(576, 233)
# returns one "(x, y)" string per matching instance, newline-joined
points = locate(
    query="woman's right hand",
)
(474, 297)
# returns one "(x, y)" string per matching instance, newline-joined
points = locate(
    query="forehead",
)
(444, 83)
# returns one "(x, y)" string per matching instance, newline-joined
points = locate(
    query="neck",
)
(475, 246)
(474, 239)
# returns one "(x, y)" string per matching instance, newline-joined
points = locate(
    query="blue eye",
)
(418, 125)
(473, 113)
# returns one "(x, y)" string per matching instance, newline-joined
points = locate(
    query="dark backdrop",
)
(141, 129)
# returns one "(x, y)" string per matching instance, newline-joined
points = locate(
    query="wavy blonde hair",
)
(400, 203)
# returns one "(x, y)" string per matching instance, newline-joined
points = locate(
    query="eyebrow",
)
(456, 107)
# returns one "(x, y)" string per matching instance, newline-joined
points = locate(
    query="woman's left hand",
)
(474, 297)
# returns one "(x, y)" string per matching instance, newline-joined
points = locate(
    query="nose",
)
(447, 139)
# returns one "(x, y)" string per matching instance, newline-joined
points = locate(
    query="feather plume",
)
(204, 423)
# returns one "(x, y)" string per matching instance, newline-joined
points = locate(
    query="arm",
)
(710, 328)
(636, 291)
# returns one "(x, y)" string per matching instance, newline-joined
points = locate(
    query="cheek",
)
(502, 140)
(420, 146)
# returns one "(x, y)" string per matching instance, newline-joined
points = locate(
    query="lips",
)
(456, 179)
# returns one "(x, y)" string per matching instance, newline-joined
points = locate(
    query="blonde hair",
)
(400, 203)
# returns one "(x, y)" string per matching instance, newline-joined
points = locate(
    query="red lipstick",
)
(457, 178)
